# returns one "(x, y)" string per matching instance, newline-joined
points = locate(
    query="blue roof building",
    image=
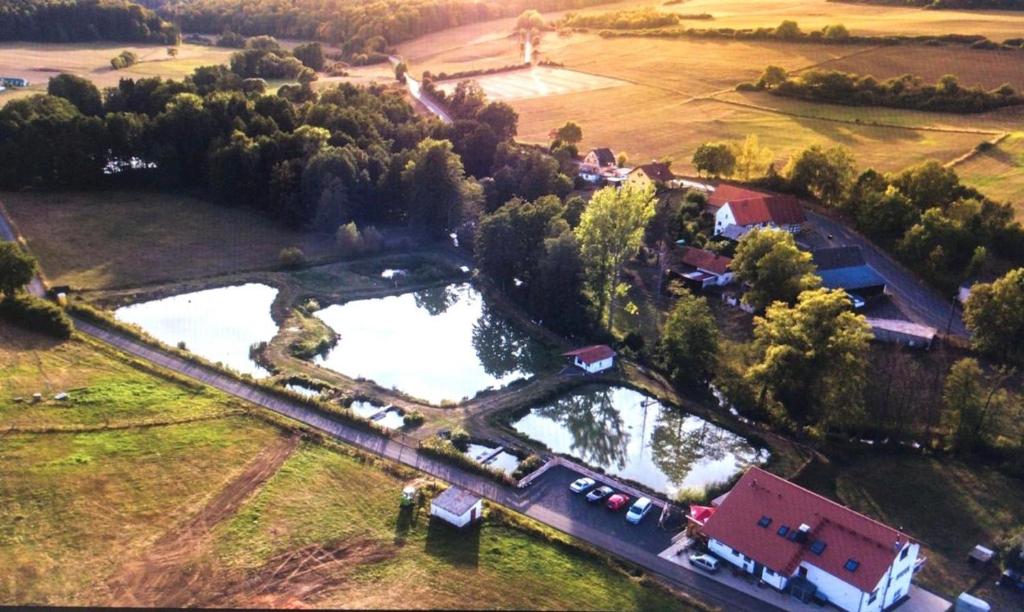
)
(845, 268)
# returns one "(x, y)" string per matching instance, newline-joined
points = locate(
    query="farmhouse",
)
(655, 174)
(457, 507)
(700, 269)
(800, 542)
(845, 268)
(592, 359)
(748, 209)
(598, 163)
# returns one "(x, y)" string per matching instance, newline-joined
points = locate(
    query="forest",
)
(82, 21)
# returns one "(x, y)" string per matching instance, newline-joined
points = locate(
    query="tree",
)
(501, 118)
(557, 293)
(773, 76)
(788, 30)
(971, 401)
(885, 216)
(752, 159)
(436, 188)
(716, 159)
(311, 55)
(570, 133)
(689, 343)
(929, 184)
(826, 174)
(401, 69)
(78, 91)
(994, 314)
(836, 32)
(172, 52)
(811, 359)
(770, 263)
(611, 229)
(16, 268)
(529, 20)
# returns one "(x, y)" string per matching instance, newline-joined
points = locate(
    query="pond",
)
(303, 390)
(630, 435)
(502, 461)
(392, 418)
(438, 344)
(219, 325)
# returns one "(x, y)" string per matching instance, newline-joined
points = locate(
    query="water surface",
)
(443, 343)
(219, 325)
(630, 435)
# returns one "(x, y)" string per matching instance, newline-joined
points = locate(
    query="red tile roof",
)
(705, 260)
(777, 209)
(729, 193)
(657, 171)
(592, 354)
(846, 534)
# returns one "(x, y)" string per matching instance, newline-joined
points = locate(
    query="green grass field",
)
(999, 171)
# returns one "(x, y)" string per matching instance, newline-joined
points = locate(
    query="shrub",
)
(527, 466)
(413, 418)
(292, 257)
(37, 314)
(123, 60)
(459, 439)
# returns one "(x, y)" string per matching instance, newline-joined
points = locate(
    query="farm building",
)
(655, 174)
(699, 269)
(457, 507)
(845, 268)
(895, 331)
(597, 163)
(14, 82)
(747, 209)
(592, 359)
(811, 547)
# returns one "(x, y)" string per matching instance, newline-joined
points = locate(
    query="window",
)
(874, 595)
(903, 555)
(765, 521)
(851, 565)
(818, 547)
(783, 530)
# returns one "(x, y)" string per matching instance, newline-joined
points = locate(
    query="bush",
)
(527, 466)
(292, 257)
(38, 315)
(123, 60)
(414, 418)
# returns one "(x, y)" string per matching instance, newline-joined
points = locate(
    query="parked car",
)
(581, 484)
(857, 301)
(705, 562)
(599, 493)
(618, 502)
(639, 510)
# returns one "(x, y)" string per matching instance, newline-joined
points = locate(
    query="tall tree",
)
(971, 401)
(772, 266)
(78, 91)
(994, 314)
(689, 343)
(437, 191)
(752, 160)
(715, 159)
(610, 231)
(570, 133)
(16, 268)
(825, 173)
(812, 358)
(557, 293)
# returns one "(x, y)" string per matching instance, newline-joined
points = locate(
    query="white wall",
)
(776, 580)
(897, 581)
(731, 556)
(724, 218)
(842, 594)
(597, 366)
(457, 520)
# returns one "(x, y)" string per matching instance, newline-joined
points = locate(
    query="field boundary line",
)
(966, 157)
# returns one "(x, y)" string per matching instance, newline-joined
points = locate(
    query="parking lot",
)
(551, 491)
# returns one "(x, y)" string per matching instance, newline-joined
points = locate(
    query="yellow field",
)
(37, 62)
(972, 67)
(999, 172)
(538, 82)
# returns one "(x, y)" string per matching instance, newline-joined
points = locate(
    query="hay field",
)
(39, 61)
(537, 82)
(999, 172)
(972, 67)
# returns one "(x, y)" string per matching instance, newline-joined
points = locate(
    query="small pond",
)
(302, 389)
(630, 435)
(392, 418)
(502, 461)
(219, 325)
(438, 344)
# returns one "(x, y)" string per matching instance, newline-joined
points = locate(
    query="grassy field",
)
(537, 83)
(37, 62)
(105, 240)
(950, 508)
(999, 172)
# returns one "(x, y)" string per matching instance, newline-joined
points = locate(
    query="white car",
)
(581, 485)
(639, 510)
(705, 562)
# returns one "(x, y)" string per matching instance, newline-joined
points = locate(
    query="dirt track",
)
(169, 574)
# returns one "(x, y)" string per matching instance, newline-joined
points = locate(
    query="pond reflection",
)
(442, 343)
(631, 435)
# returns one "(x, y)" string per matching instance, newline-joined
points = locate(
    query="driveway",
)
(917, 300)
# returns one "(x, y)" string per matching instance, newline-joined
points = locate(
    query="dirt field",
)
(39, 61)
(537, 82)
(999, 172)
(972, 67)
(93, 241)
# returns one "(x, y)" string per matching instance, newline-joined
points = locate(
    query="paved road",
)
(919, 301)
(416, 91)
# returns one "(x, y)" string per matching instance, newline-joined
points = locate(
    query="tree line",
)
(62, 21)
(906, 91)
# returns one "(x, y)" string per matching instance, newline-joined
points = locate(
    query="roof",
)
(838, 257)
(902, 327)
(455, 500)
(605, 156)
(761, 497)
(724, 194)
(851, 279)
(777, 209)
(734, 232)
(657, 171)
(705, 260)
(592, 354)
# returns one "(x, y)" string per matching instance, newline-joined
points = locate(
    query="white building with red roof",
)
(700, 268)
(796, 540)
(747, 209)
(593, 359)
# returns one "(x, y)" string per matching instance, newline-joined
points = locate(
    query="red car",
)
(618, 502)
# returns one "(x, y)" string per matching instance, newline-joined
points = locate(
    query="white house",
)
(457, 507)
(747, 209)
(592, 359)
(800, 542)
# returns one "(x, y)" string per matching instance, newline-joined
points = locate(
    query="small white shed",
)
(593, 359)
(457, 507)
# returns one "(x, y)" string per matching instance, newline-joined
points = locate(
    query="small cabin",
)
(592, 359)
(457, 507)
